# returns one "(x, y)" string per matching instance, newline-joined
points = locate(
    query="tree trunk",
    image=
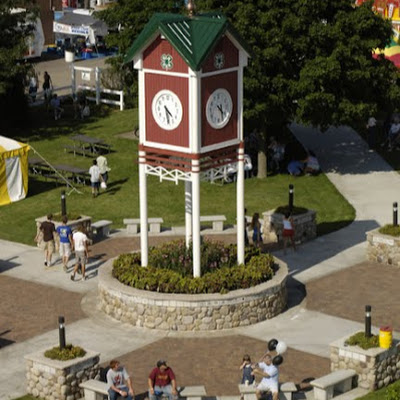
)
(262, 164)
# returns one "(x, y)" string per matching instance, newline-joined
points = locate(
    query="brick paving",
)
(214, 362)
(28, 309)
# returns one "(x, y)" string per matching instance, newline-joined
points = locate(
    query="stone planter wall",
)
(84, 220)
(59, 380)
(382, 248)
(205, 312)
(305, 226)
(375, 367)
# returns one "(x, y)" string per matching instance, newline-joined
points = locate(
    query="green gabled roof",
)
(193, 38)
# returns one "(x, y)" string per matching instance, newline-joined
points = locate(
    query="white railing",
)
(98, 98)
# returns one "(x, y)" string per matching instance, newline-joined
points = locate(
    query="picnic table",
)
(87, 144)
(77, 174)
(36, 165)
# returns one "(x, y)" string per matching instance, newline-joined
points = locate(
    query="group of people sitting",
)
(162, 381)
(276, 155)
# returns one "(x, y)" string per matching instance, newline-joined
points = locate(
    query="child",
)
(247, 370)
(256, 226)
(288, 231)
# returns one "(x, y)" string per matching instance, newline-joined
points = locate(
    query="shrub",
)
(359, 339)
(170, 269)
(295, 211)
(71, 217)
(390, 230)
(69, 352)
(392, 393)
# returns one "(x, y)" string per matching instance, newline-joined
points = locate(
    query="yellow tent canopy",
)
(13, 170)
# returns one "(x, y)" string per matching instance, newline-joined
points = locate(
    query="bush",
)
(390, 230)
(392, 393)
(359, 339)
(57, 217)
(68, 353)
(170, 269)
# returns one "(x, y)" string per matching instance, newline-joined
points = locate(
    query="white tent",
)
(13, 170)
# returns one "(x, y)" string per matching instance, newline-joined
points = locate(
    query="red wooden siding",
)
(153, 84)
(230, 52)
(152, 56)
(210, 135)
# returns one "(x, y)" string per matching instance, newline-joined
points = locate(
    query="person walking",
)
(65, 234)
(95, 177)
(104, 169)
(371, 132)
(288, 231)
(256, 226)
(80, 244)
(48, 229)
(47, 86)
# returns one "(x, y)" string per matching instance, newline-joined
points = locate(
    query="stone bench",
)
(286, 391)
(101, 228)
(132, 225)
(193, 392)
(217, 221)
(94, 389)
(336, 382)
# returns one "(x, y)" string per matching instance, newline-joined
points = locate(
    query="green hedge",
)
(390, 230)
(170, 269)
(359, 339)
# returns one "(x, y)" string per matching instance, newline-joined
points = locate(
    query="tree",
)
(15, 28)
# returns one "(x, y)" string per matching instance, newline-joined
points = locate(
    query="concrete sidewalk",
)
(362, 177)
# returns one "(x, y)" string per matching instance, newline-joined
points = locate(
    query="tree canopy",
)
(15, 28)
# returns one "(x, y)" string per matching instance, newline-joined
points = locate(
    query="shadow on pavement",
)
(5, 265)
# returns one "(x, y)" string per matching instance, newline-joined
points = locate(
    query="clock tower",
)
(190, 72)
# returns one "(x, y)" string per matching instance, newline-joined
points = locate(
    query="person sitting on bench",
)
(119, 382)
(162, 382)
(270, 376)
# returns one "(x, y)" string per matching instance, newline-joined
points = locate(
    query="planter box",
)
(84, 220)
(384, 249)
(305, 226)
(59, 380)
(375, 367)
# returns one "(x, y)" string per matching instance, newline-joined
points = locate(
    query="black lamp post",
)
(61, 331)
(63, 203)
(291, 196)
(395, 223)
(367, 321)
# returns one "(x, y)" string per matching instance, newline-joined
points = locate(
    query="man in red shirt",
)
(162, 381)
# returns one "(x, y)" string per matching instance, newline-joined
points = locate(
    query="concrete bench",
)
(94, 390)
(336, 382)
(193, 392)
(217, 221)
(286, 391)
(101, 228)
(132, 225)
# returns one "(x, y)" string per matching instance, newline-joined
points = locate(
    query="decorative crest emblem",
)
(219, 60)
(166, 62)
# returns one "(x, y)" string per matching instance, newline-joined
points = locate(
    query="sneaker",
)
(45, 263)
(72, 277)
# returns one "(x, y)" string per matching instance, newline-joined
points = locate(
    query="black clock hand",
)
(221, 111)
(167, 114)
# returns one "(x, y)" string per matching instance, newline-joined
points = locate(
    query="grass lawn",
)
(165, 199)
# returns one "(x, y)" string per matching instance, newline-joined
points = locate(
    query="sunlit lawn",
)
(165, 199)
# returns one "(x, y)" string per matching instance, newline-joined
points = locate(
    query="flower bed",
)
(170, 269)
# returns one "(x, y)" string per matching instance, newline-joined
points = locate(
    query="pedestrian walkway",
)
(362, 177)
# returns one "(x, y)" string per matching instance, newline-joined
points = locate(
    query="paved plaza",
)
(330, 283)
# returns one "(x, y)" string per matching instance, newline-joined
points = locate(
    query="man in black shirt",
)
(48, 229)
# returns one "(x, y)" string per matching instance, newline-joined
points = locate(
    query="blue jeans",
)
(160, 390)
(114, 395)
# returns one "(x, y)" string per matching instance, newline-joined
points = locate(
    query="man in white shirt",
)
(103, 167)
(95, 177)
(80, 243)
(270, 377)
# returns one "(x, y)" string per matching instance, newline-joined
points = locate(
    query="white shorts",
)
(65, 249)
(268, 387)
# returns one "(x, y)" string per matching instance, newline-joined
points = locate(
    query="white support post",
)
(188, 212)
(143, 208)
(121, 101)
(196, 217)
(240, 205)
(98, 91)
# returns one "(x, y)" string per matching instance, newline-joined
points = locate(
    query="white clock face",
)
(219, 108)
(167, 110)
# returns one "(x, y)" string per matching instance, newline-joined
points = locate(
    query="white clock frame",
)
(212, 108)
(175, 109)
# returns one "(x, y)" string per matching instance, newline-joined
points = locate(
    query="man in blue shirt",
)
(65, 235)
